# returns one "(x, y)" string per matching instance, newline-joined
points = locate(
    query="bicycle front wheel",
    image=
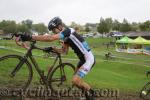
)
(145, 92)
(61, 77)
(15, 72)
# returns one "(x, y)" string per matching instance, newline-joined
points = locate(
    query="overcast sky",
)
(80, 11)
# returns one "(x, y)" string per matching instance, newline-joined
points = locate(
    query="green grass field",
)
(125, 72)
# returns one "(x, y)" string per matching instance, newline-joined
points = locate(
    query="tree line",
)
(103, 26)
(8, 26)
(107, 25)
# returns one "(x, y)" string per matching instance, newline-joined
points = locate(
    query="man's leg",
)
(76, 80)
(80, 72)
(85, 65)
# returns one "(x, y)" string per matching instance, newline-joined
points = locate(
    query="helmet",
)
(54, 23)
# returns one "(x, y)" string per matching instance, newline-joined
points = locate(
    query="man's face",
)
(56, 30)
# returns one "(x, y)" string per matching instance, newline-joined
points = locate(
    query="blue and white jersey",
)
(75, 41)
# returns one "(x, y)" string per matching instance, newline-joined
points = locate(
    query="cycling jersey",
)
(76, 42)
(81, 48)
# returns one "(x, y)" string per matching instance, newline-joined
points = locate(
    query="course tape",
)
(19, 51)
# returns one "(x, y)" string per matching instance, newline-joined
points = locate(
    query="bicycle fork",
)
(17, 68)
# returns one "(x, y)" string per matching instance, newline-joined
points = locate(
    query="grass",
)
(125, 72)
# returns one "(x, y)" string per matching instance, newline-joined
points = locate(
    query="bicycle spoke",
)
(61, 78)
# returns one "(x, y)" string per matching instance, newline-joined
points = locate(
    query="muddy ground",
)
(120, 97)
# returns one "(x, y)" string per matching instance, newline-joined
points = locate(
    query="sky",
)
(79, 11)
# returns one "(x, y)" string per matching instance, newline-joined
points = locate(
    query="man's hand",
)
(26, 37)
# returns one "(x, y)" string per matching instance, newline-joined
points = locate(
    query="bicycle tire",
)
(15, 81)
(145, 91)
(55, 76)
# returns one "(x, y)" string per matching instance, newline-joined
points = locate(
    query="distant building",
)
(134, 35)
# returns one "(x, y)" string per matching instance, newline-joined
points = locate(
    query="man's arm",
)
(64, 49)
(46, 38)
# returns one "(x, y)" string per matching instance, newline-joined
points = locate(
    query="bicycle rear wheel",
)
(15, 72)
(144, 93)
(61, 77)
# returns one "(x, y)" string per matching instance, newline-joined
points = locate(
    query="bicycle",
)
(145, 91)
(56, 77)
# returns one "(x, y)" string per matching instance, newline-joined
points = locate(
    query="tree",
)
(87, 29)
(134, 26)
(40, 28)
(145, 26)
(109, 23)
(28, 23)
(8, 26)
(116, 25)
(102, 26)
(125, 26)
(75, 25)
(23, 28)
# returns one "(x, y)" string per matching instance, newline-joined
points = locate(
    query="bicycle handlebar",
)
(18, 40)
(24, 45)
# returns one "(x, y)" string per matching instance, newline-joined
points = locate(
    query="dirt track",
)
(121, 97)
(126, 95)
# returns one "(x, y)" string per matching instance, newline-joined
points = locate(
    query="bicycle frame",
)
(30, 56)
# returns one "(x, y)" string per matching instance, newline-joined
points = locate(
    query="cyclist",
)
(71, 39)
